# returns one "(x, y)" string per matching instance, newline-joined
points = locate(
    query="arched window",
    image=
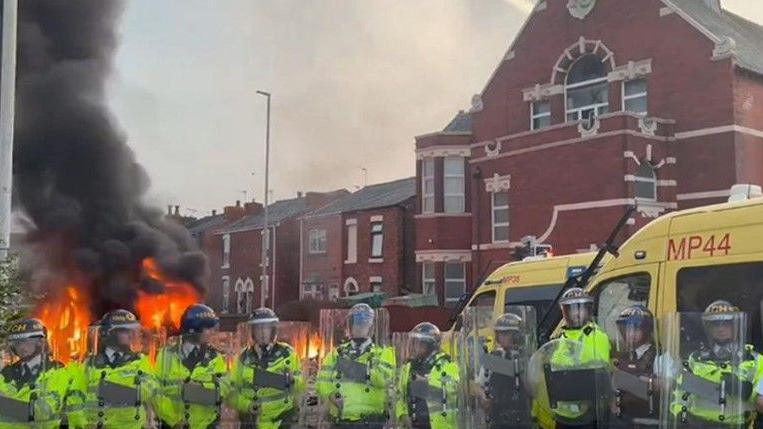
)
(646, 182)
(587, 88)
(249, 288)
(240, 296)
(351, 287)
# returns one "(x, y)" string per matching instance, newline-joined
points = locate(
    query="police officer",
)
(35, 383)
(505, 402)
(267, 378)
(429, 383)
(354, 379)
(577, 311)
(192, 364)
(117, 380)
(725, 355)
(635, 355)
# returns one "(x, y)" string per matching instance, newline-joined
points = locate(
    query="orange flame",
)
(315, 347)
(156, 311)
(66, 317)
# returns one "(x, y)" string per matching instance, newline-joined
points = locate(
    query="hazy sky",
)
(353, 82)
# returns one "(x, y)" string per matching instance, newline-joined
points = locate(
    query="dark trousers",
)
(590, 425)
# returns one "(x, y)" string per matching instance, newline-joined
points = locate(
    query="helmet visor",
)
(577, 313)
(360, 325)
(633, 336)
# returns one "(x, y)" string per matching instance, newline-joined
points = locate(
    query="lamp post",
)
(265, 277)
(7, 101)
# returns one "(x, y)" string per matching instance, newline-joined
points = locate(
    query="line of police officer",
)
(705, 375)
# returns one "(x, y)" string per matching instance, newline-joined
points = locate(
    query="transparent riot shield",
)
(432, 387)
(25, 397)
(118, 378)
(356, 377)
(570, 384)
(192, 378)
(498, 366)
(706, 371)
(635, 389)
(267, 381)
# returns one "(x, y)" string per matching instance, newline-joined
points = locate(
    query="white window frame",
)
(310, 290)
(425, 281)
(372, 281)
(225, 307)
(461, 176)
(427, 178)
(240, 290)
(534, 116)
(333, 292)
(351, 287)
(461, 280)
(226, 251)
(496, 224)
(315, 240)
(578, 111)
(377, 235)
(249, 288)
(644, 95)
(352, 243)
(652, 181)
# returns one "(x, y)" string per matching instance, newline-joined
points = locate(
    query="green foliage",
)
(12, 297)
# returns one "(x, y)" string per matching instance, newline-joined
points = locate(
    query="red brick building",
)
(654, 103)
(234, 253)
(361, 243)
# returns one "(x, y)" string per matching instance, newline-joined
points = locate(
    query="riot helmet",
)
(577, 308)
(264, 326)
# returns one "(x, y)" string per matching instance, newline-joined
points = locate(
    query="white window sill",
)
(376, 261)
(350, 262)
(225, 267)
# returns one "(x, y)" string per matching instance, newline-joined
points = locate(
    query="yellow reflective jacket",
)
(363, 395)
(703, 365)
(172, 375)
(45, 392)
(596, 349)
(133, 371)
(443, 403)
(274, 404)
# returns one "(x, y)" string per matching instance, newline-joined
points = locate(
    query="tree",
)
(12, 297)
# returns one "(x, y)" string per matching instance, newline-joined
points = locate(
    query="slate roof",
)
(277, 212)
(462, 123)
(371, 197)
(200, 225)
(747, 35)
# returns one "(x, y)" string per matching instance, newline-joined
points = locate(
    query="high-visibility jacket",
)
(704, 365)
(173, 374)
(595, 348)
(132, 371)
(365, 395)
(274, 402)
(44, 391)
(74, 400)
(441, 406)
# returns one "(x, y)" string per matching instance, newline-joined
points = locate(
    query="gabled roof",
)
(277, 212)
(462, 123)
(371, 197)
(200, 225)
(747, 35)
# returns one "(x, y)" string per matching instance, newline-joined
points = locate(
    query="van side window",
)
(615, 295)
(740, 284)
(483, 303)
(539, 297)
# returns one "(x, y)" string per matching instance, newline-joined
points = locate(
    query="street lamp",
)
(265, 278)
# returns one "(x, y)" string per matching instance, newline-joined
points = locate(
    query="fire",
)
(157, 311)
(67, 317)
(315, 347)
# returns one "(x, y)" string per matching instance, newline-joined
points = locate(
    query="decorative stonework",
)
(647, 126)
(443, 151)
(498, 183)
(582, 47)
(590, 127)
(493, 150)
(632, 70)
(649, 210)
(476, 103)
(725, 48)
(580, 8)
(541, 92)
(443, 256)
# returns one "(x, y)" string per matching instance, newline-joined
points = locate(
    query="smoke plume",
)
(74, 175)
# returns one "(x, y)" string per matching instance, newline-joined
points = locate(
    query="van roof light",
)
(744, 192)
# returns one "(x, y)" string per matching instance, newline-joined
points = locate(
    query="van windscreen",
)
(539, 297)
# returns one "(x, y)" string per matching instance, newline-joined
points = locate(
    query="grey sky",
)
(353, 82)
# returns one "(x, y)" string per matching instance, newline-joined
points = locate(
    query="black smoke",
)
(75, 176)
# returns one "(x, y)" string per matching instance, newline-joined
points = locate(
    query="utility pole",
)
(265, 277)
(7, 103)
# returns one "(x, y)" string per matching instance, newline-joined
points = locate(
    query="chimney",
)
(319, 199)
(238, 203)
(169, 210)
(233, 213)
(214, 212)
(299, 194)
(253, 208)
(177, 210)
(715, 5)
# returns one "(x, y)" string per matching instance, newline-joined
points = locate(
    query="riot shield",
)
(25, 396)
(635, 393)
(356, 377)
(498, 366)
(432, 387)
(267, 381)
(707, 371)
(192, 375)
(570, 384)
(118, 377)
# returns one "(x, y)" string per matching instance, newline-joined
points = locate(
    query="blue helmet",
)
(198, 317)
